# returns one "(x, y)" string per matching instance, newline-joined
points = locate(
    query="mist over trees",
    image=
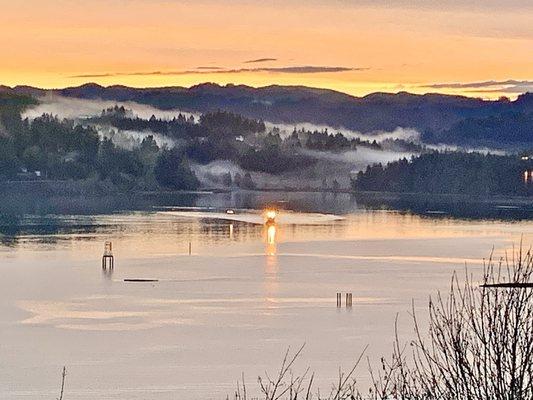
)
(50, 148)
(441, 118)
(47, 147)
(226, 136)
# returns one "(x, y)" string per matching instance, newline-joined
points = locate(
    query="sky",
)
(476, 48)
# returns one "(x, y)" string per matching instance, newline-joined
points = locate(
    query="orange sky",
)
(382, 45)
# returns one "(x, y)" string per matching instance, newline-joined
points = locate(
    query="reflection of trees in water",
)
(43, 216)
(321, 202)
(8, 241)
(221, 230)
(10, 228)
(14, 229)
(446, 206)
(42, 203)
(343, 203)
(90, 219)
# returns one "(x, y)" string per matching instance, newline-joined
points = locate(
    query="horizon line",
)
(134, 87)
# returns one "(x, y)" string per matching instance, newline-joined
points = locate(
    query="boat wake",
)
(257, 216)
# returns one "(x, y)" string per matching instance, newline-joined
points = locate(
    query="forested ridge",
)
(439, 118)
(48, 147)
(89, 149)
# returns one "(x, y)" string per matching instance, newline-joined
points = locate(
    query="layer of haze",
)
(329, 165)
(352, 46)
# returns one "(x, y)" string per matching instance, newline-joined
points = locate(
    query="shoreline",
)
(101, 189)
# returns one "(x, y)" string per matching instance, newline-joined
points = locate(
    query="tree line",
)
(62, 149)
(449, 172)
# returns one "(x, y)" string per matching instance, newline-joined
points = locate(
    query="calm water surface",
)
(234, 305)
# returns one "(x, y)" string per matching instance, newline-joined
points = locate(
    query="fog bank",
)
(74, 108)
(130, 140)
(408, 134)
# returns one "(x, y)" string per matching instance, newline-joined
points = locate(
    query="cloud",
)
(259, 60)
(506, 86)
(147, 73)
(308, 69)
(299, 69)
(209, 68)
(437, 5)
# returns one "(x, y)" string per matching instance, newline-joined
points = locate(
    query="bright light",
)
(271, 214)
(271, 235)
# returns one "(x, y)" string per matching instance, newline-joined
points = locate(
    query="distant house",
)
(25, 175)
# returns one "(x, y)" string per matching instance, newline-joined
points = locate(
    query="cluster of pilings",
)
(348, 300)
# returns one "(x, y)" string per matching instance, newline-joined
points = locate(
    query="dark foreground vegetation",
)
(478, 345)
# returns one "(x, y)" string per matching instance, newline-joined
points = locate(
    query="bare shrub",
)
(285, 385)
(63, 376)
(478, 346)
(479, 343)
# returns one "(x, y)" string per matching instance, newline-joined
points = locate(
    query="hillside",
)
(441, 118)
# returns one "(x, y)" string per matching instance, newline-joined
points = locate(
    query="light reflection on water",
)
(158, 234)
(246, 293)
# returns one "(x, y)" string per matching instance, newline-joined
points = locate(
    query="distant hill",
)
(506, 129)
(441, 118)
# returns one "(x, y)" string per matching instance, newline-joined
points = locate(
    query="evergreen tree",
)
(172, 171)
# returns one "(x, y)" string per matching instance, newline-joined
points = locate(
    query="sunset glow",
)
(356, 47)
(186, 186)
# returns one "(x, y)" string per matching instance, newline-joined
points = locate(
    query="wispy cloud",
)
(505, 86)
(209, 68)
(301, 69)
(148, 73)
(307, 69)
(259, 60)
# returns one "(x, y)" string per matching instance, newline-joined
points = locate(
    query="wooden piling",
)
(339, 299)
(108, 261)
(348, 299)
(190, 248)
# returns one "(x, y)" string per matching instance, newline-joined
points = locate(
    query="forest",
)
(450, 172)
(61, 149)
(88, 149)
